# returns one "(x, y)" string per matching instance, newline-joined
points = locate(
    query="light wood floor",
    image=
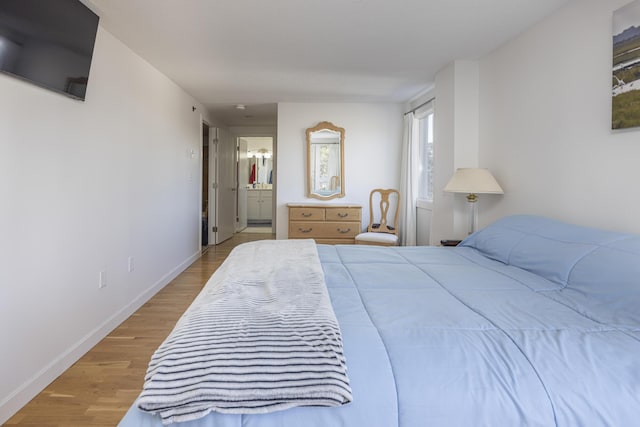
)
(99, 388)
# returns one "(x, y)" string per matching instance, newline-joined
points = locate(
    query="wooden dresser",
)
(332, 224)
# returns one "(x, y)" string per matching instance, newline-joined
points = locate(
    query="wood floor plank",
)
(100, 387)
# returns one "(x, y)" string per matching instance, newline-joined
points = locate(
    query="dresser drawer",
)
(306, 214)
(331, 224)
(343, 214)
(326, 230)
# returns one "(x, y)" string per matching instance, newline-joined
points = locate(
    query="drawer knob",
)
(306, 214)
(340, 230)
(343, 214)
(305, 230)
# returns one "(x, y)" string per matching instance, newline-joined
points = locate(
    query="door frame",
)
(264, 132)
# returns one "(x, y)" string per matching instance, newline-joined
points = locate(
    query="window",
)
(425, 138)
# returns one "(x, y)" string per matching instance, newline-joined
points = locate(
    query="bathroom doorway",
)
(255, 179)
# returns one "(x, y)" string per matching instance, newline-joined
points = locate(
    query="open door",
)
(224, 184)
(212, 184)
(243, 180)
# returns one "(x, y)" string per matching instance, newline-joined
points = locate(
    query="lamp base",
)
(472, 199)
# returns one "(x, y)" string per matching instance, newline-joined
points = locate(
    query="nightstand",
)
(450, 242)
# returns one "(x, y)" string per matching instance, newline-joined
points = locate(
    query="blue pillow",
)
(598, 271)
(540, 245)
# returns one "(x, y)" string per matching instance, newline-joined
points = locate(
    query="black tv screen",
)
(48, 42)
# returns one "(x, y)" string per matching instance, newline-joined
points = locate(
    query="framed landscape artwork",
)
(625, 104)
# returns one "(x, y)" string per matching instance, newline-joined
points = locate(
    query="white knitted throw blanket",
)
(261, 336)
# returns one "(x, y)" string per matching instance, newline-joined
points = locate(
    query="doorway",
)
(255, 178)
(237, 184)
(204, 240)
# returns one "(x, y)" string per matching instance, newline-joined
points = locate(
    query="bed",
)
(528, 322)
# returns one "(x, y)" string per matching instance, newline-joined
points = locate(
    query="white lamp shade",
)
(473, 181)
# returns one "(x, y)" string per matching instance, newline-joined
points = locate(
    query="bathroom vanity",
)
(259, 205)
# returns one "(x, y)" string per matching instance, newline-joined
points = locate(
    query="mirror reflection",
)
(325, 161)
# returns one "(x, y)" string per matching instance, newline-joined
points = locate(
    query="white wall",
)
(373, 136)
(456, 145)
(83, 186)
(545, 108)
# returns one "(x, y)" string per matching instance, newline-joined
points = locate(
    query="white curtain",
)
(409, 180)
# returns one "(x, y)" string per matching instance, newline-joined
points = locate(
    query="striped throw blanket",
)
(261, 336)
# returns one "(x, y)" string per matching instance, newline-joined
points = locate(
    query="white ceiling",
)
(259, 53)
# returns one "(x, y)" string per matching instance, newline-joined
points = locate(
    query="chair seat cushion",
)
(377, 237)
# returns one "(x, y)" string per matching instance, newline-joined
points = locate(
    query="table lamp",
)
(473, 181)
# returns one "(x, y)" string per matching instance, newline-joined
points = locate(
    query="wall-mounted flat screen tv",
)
(48, 42)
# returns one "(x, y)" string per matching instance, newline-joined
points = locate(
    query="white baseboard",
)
(28, 390)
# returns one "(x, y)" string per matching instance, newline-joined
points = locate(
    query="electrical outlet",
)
(130, 265)
(102, 281)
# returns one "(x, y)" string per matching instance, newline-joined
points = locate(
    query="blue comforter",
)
(528, 322)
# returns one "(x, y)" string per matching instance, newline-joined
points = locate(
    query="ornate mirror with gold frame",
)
(325, 161)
